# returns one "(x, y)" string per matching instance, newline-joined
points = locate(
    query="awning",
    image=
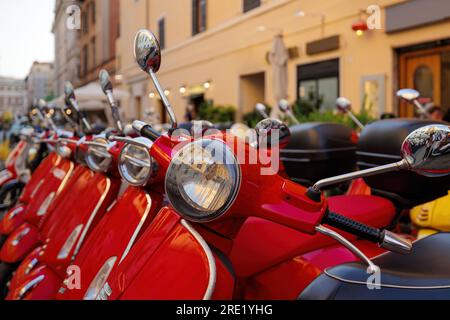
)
(91, 97)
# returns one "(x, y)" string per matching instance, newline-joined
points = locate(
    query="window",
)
(85, 61)
(162, 33)
(85, 21)
(93, 11)
(94, 53)
(198, 16)
(319, 82)
(251, 4)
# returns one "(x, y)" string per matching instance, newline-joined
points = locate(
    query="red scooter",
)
(118, 230)
(70, 218)
(218, 198)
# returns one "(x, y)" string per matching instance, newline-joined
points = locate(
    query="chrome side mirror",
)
(272, 132)
(412, 96)
(147, 53)
(427, 151)
(284, 107)
(69, 90)
(71, 100)
(105, 81)
(107, 87)
(262, 110)
(408, 94)
(42, 104)
(345, 105)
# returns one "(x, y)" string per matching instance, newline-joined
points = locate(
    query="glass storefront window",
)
(319, 81)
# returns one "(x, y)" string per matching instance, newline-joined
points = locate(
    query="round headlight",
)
(203, 180)
(97, 157)
(135, 164)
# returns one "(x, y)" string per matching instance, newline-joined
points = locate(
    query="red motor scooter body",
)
(46, 182)
(264, 251)
(72, 219)
(278, 202)
(28, 236)
(107, 246)
(170, 252)
(10, 172)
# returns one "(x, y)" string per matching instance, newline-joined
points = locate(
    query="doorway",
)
(252, 89)
(138, 107)
(427, 71)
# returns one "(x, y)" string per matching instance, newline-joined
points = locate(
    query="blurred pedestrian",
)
(436, 113)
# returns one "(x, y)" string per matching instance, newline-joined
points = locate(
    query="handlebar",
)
(146, 130)
(386, 239)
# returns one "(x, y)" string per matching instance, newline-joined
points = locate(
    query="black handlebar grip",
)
(354, 227)
(146, 130)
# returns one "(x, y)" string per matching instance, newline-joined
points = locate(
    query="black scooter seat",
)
(424, 275)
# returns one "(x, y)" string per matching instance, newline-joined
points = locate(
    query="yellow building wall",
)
(234, 45)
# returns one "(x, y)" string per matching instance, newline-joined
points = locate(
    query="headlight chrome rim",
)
(177, 199)
(124, 164)
(96, 159)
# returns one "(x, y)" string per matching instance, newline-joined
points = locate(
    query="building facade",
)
(39, 81)
(218, 50)
(13, 96)
(67, 52)
(97, 38)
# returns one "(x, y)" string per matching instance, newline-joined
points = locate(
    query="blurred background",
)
(220, 58)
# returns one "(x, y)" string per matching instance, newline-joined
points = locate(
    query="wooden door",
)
(421, 71)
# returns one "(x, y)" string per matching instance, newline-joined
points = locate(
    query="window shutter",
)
(203, 15)
(162, 33)
(195, 17)
(251, 4)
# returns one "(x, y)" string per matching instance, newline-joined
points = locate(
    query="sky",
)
(25, 35)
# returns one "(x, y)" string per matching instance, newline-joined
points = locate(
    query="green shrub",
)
(216, 114)
(308, 110)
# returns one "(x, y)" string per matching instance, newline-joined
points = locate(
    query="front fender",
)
(20, 243)
(31, 263)
(5, 176)
(13, 219)
(42, 284)
(13, 188)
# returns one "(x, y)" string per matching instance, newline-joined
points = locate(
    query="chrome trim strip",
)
(30, 285)
(16, 211)
(138, 228)
(139, 142)
(66, 178)
(309, 151)
(385, 285)
(209, 255)
(339, 238)
(91, 218)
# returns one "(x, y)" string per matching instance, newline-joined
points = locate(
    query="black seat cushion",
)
(424, 274)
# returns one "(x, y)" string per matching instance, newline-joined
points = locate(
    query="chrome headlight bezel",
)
(138, 156)
(178, 195)
(98, 158)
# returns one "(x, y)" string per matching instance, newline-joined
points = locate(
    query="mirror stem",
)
(292, 117)
(114, 110)
(355, 120)
(318, 187)
(164, 99)
(421, 109)
(83, 118)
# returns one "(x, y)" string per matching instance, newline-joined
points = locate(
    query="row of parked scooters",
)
(133, 213)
